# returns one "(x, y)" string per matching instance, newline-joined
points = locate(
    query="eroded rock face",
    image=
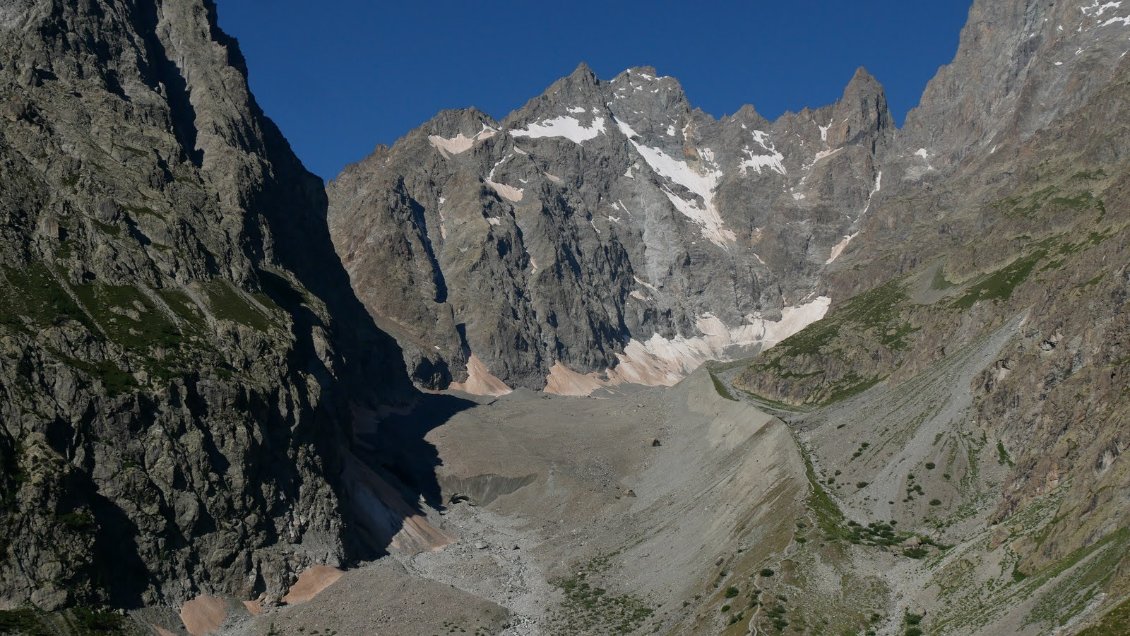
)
(179, 348)
(606, 227)
(1004, 196)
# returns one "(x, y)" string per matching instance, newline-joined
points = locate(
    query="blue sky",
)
(342, 76)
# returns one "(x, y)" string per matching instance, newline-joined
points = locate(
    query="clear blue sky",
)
(340, 76)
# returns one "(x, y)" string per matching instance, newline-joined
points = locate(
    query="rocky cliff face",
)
(606, 228)
(180, 354)
(1004, 198)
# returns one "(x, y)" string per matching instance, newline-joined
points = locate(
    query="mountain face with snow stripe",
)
(606, 231)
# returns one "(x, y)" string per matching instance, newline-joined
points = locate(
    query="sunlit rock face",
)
(606, 229)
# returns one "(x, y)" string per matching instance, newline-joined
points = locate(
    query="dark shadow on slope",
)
(381, 467)
(115, 550)
(399, 447)
(164, 72)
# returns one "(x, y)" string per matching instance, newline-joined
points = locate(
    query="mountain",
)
(921, 427)
(1000, 241)
(183, 365)
(605, 232)
(947, 301)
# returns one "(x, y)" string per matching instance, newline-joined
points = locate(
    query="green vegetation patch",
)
(1089, 175)
(114, 379)
(77, 520)
(1003, 457)
(1000, 284)
(829, 517)
(939, 282)
(721, 388)
(1085, 572)
(1093, 239)
(79, 621)
(140, 326)
(92, 621)
(1029, 206)
(182, 306)
(875, 315)
(591, 609)
(850, 386)
(228, 304)
(877, 309)
(1115, 623)
(23, 621)
(1026, 206)
(108, 228)
(32, 294)
(129, 318)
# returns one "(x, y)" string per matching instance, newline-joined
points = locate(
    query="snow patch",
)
(576, 110)
(480, 381)
(1096, 10)
(839, 248)
(664, 362)
(568, 127)
(510, 193)
(701, 184)
(670, 131)
(824, 154)
(774, 162)
(564, 381)
(824, 131)
(459, 143)
(442, 220)
(707, 218)
(625, 129)
(640, 281)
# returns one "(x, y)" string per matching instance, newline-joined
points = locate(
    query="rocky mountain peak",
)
(618, 181)
(582, 74)
(182, 345)
(1020, 65)
(861, 112)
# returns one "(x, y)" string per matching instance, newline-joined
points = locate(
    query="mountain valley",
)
(605, 365)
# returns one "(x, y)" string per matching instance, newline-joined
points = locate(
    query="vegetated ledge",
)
(815, 367)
